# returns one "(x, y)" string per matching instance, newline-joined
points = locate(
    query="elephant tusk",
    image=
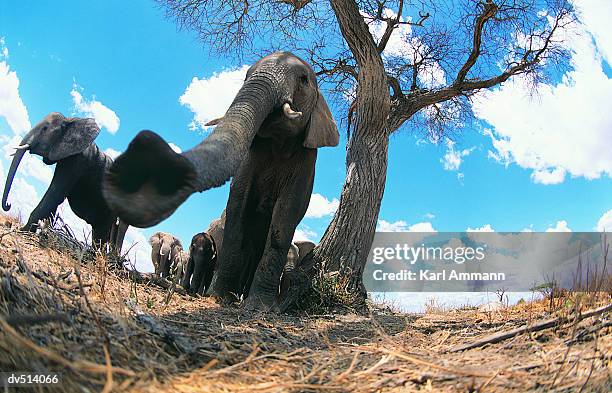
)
(213, 122)
(290, 113)
(21, 147)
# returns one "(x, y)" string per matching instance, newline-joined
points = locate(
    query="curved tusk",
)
(290, 113)
(24, 146)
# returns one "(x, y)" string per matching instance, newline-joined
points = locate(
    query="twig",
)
(30, 320)
(501, 336)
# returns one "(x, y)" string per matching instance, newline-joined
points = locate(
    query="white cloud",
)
(605, 222)
(104, 116)
(112, 153)
(596, 15)
(209, 98)
(548, 176)
(139, 249)
(429, 216)
(12, 108)
(320, 206)
(304, 234)
(484, 228)
(567, 127)
(175, 148)
(453, 158)
(402, 226)
(561, 226)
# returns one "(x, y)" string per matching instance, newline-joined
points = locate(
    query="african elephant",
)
(267, 140)
(297, 252)
(78, 175)
(179, 266)
(164, 249)
(202, 264)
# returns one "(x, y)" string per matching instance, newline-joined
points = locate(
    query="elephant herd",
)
(266, 143)
(194, 269)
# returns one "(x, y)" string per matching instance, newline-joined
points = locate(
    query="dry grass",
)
(104, 332)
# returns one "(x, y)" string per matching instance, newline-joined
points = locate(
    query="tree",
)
(399, 61)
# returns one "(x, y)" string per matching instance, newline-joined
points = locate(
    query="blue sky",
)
(521, 165)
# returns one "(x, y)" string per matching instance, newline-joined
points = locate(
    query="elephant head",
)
(164, 249)
(280, 98)
(54, 138)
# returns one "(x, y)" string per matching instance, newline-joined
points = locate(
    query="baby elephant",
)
(202, 264)
(179, 266)
(164, 249)
(297, 251)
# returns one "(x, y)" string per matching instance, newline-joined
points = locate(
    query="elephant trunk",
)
(149, 181)
(20, 151)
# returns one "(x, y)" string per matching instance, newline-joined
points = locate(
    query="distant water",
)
(416, 302)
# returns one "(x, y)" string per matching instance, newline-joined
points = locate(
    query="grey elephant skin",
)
(179, 266)
(164, 250)
(68, 142)
(267, 140)
(297, 252)
(202, 264)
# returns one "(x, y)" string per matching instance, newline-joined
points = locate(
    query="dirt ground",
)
(104, 332)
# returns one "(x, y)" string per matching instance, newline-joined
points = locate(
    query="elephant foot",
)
(261, 303)
(225, 299)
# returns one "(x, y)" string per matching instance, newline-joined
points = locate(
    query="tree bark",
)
(346, 243)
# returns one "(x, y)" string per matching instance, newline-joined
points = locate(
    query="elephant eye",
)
(303, 79)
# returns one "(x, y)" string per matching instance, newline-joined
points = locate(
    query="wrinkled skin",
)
(202, 264)
(164, 250)
(267, 140)
(297, 252)
(68, 142)
(179, 266)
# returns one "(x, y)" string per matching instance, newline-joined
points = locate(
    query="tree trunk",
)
(346, 243)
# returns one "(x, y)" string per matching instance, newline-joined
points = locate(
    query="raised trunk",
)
(157, 180)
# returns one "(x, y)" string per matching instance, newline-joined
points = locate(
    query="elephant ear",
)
(74, 136)
(321, 130)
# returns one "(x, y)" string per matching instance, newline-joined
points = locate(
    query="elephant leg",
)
(188, 274)
(199, 272)
(166, 265)
(232, 256)
(118, 234)
(289, 210)
(56, 193)
(65, 176)
(208, 278)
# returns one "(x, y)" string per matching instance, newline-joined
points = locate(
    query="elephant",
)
(202, 264)
(179, 266)
(164, 250)
(80, 167)
(267, 141)
(297, 252)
